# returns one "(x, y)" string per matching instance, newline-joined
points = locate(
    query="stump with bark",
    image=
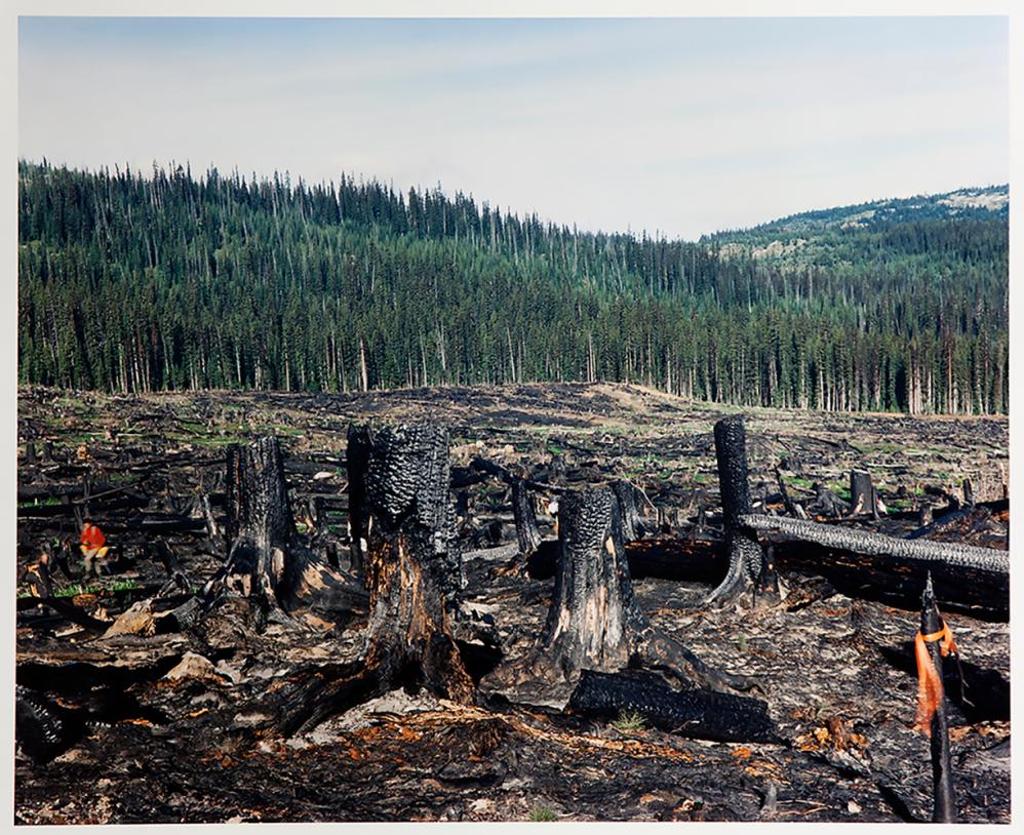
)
(595, 624)
(413, 575)
(267, 562)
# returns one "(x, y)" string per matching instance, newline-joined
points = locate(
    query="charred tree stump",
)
(746, 562)
(595, 623)
(266, 561)
(357, 460)
(863, 495)
(932, 715)
(525, 515)
(625, 495)
(826, 503)
(413, 574)
(792, 508)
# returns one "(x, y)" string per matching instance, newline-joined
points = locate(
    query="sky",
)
(679, 126)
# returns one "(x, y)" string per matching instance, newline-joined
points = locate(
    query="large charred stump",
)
(266, 560)
(413, 573)
(594, 622)
(746, 561)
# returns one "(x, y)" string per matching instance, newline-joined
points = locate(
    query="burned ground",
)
(172, 726)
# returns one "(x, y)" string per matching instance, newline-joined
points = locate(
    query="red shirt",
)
(92, 537)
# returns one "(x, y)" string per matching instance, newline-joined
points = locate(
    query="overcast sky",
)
(677, 126)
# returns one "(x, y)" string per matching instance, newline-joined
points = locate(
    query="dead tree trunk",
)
(746, 561)
(266, 560)
(594, 622)
(413, 574)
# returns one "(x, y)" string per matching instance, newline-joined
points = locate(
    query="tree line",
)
(133, 282)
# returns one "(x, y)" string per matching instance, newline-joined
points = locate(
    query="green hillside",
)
(132, 282)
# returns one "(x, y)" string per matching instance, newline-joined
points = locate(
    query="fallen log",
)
(879, 545)
(701, 714)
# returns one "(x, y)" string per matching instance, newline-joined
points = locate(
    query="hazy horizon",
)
(679, 127)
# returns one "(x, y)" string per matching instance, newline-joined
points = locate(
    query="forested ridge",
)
(165, 280)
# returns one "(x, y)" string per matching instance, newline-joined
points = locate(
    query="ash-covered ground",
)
(171, 723)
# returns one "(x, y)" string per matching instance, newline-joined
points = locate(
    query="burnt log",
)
(702, 714)
(414, 574)
(594, 622)
(266, 561)
(878, 545)
(43, 728)
(746, 562)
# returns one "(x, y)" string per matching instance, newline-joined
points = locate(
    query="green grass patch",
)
(48, 501)
(630, 721)
(542, 813)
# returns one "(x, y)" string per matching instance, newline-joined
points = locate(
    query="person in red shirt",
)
(93, 545)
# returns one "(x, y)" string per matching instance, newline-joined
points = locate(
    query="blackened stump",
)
(356, 462)
(413, 572)
(527, 534)
(626, 496)
(863, 496)
(746, 561)
(266, 560)
(594, 622)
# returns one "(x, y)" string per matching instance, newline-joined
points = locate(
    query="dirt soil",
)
(173, 724)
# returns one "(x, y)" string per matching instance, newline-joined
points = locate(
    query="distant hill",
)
(807, 234)
(165, 281)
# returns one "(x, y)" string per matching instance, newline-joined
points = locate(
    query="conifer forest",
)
(133, 282)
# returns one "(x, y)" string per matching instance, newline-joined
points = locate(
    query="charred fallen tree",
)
(695, 713)
(595, 624)
(413, 575)
(266, 560)
(881, 546)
